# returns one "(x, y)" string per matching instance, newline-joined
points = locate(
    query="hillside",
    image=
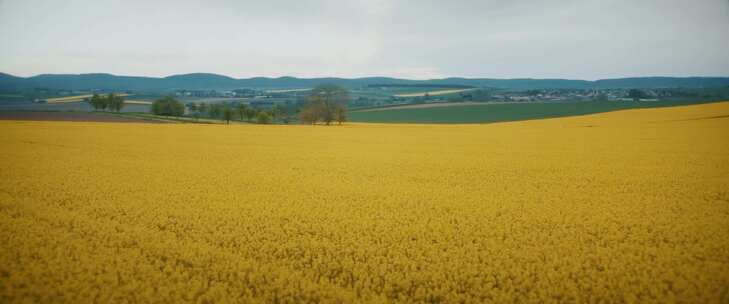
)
(214, 81)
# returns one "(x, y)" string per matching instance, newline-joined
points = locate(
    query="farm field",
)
(627, 206)
(72, 116)
(434, 92)
(425, 105)
(289, 90)
(486, 112)
(139, 102)
(65, 107)
(76, 98)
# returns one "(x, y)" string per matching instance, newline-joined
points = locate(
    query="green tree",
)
(215, 110)
(177, 108)
(168, 106)
(241, 109)
(288, 111)
(114, 102)
(191, 107)
(194, 109)
(104, 103)
(635, 94)
(250, 113)
(227, 114)
(97, 102)
(202, 108)
(276, 112)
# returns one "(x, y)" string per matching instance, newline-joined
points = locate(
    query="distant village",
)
(475, 95)
(543, 95)
(372, 96)
(241, 93)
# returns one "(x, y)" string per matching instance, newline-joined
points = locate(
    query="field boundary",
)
(392, 115)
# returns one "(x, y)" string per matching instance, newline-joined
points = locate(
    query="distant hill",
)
(198, 81)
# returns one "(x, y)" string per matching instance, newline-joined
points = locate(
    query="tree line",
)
(239, 111)
(324, 104)
(109, 102)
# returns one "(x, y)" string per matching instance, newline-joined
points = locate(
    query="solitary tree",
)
(202, 108)
(263, 118)
(168, 106)
(215, 110)
(250, 113)
(97, 102)
(241, 109)
(176, 107)
(191, 107)
(340, 115)
(103, 102)
(308, 116)
(114, 102)
(227, 114)
(276, 112)
(323, 103)
(194, 109)
(635, 94)
(287, 111)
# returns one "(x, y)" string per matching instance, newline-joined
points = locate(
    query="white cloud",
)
(424, 39)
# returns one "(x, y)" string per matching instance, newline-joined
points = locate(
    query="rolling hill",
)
(215, 81)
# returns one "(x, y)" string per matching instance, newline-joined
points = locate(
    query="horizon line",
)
(354, 78)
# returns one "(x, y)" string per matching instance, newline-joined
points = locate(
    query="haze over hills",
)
(214, 81)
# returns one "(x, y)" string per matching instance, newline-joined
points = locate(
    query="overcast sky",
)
(581, 39)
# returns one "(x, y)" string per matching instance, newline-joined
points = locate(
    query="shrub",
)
(168, 106)
(263, 118)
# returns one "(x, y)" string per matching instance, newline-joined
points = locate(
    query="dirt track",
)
(443, 104)
(68, 116)
(425, 105)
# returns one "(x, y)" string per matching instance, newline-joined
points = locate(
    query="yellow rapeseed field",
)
(629, 206)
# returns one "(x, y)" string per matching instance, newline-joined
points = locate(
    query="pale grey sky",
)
(577, 39)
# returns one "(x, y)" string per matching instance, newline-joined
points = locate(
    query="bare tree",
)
(308, 116)
(324, 102)
(263, 118)
(340, 115)
(242, 108)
